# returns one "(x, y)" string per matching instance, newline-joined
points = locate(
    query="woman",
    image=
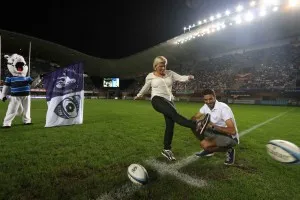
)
(160, 81)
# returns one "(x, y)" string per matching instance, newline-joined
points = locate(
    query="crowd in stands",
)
(269, 68)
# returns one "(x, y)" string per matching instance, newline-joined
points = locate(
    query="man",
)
(221, 133)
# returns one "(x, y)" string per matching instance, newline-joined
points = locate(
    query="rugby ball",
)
(283, 151)
(138, 174)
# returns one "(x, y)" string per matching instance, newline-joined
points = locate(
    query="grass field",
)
(90, 160)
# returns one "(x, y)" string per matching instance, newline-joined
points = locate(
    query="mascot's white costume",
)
(19, 87)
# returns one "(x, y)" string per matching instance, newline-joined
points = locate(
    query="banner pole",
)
(29, 58)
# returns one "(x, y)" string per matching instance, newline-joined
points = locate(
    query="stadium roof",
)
(275, 27)
(12, 42)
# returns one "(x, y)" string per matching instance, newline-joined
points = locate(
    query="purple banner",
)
(64, 81)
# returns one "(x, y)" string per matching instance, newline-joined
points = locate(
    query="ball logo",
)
(68, 107)
(278, 155)
(134, 169)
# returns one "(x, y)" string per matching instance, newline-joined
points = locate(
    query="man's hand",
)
(4, 99)
(197, 116)
(210, 125)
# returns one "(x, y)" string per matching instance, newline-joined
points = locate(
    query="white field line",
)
(171, 169)
(259, 125)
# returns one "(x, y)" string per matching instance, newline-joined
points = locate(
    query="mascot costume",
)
(19, 87)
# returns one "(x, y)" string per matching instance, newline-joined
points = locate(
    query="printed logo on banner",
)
(68, 107)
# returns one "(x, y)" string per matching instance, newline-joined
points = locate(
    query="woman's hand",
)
(191, 77)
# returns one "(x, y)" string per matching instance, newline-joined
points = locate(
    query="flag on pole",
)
(65, 96)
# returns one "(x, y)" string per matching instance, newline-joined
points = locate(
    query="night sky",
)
(107, 29)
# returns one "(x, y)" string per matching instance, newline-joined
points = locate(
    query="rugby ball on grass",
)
(137, 174)
(284, 151)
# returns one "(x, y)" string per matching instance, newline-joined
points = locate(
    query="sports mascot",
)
(19, 87)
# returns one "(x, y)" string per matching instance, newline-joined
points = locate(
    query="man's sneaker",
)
(202, 124)
(204, 153)
(230, 156)
(168, 154)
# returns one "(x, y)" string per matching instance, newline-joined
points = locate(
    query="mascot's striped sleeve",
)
(19, 86)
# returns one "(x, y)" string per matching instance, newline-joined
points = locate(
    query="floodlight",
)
(275, 9)
(252, 3)
(238, 19)
(249, 17)
(239, 8)
(262, 13)
(227, 12)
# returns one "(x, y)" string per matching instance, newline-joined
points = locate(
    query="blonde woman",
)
(160, 81)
